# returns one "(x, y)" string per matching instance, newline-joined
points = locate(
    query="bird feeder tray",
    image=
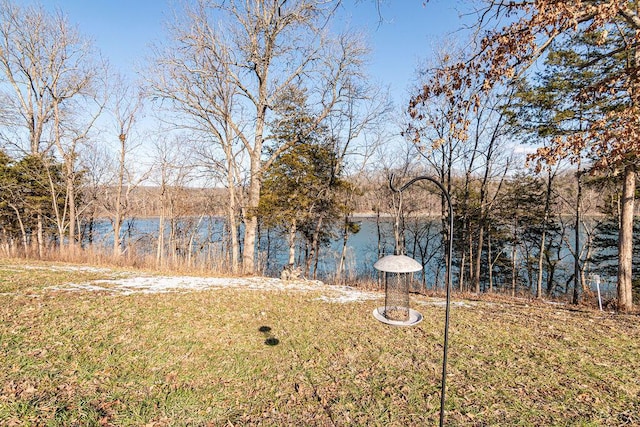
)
(413, 319)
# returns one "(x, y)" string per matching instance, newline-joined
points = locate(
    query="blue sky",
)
(408, 33)
(123, 29)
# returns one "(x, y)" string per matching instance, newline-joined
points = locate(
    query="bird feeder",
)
(398, 274)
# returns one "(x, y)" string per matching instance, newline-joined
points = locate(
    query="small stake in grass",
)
(398, 271)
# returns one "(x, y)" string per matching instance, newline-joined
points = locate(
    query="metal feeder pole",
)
(448, 280)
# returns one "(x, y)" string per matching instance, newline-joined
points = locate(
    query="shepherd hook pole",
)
(448, 280)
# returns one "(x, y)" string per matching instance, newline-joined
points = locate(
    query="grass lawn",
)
(248, 357)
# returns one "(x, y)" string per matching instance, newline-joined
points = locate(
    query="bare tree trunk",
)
(541, 248)
(251, 220)
(316, 247)
(173, 243)
(40, 236)
(117, 241)
(161, 219)
(192, 238)
(463, 263)
(478, 263)
(489, 257)
(71, 200)
(340, 273)
(472, 279)
(233, 234)
(514, 254)
(23, 231)
(314, 253)
(119, 208)
(60, 216)
(625, 238)
(379, 233)
(543, 243)
(577, 271)
(160, 244)
(292, 243)
(232, 213)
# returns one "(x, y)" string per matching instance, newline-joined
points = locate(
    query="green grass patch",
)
(238, 357)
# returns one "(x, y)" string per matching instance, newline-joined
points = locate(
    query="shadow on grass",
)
(270, 339)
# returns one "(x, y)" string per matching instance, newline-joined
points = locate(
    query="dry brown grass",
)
(234, 357)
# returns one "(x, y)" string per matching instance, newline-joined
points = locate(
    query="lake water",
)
(363, 248)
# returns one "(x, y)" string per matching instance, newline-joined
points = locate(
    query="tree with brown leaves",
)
(605, 36)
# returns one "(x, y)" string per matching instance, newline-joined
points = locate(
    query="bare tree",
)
(76, 110)
(126, 173)
(173, 172)
(95, 161)
(357, 129)
(256, 48)
(29, 66)
(51, 80)
(228, 172)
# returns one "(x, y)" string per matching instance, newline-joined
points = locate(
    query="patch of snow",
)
(555, 302)
(81, 268)
(79, 287)
(443, 303)
(350, 296)
(163, 284)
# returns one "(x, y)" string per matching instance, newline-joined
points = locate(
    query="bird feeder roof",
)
(397, 264)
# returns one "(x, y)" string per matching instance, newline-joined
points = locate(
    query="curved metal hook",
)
(391, 186)
(404, 187)
(419, 178)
